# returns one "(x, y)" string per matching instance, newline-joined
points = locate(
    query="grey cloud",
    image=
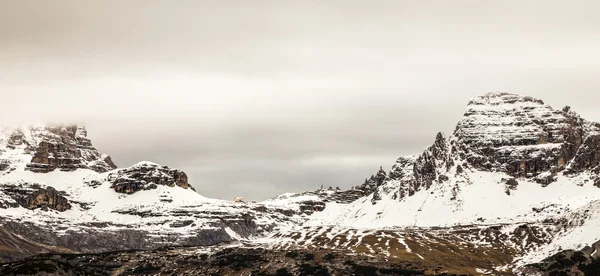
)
(260, 97)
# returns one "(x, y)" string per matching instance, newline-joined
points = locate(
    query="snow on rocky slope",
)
(516, 182)
(56, 189)
(508, 155)
(514, 167)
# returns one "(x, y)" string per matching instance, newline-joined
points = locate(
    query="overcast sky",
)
(257, 98)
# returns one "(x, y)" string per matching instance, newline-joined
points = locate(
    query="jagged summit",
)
(45, 148)
(523, 137)
(498, 98)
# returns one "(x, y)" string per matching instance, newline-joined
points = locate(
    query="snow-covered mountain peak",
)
(523, 137)
(44, 148)
(508, 154)
(31, 135)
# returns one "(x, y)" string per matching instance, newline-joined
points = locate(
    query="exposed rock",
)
(311, 206)
(425, 167)
(183, 223)
(524, 137)
(510, 184)
(95, 240)
(46, 198)
(345, 197)
(33, 197)
(145, 176)
(64, 147)
(369, 187)
(4, 165)
(567, 262)
(587, 156)
(546, 178)
(67, 148)
(379, 179)
(415, 173)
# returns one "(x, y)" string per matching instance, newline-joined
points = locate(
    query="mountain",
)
(506, 156)
(515, 185)
(59, 192)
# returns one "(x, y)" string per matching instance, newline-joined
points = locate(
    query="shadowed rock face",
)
(97, 239)
(145, 176)
(33, 197)
(46, 198)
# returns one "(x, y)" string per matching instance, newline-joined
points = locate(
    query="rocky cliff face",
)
(524, 137)
(146, 176)
(62, 147)
(32, 196)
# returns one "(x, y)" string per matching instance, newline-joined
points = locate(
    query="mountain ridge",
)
(516, 175)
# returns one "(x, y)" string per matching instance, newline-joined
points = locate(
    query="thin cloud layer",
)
(282, 96)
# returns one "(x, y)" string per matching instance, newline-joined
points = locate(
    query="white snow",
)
(483, 197)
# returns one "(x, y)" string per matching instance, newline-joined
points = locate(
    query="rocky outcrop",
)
(46, 198)
(378, 179)
(510, 184)
(524, 137)
(568, 262)
(369, 187)
(419, 172)
(146, 176)
(587, 156)
(63, 147)
(426, 167)
(32, 196)
(311, 206)
(67, 148)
